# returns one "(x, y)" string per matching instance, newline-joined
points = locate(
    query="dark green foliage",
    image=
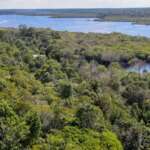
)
(33, 121)
(134, 94)
(90, 117)
(65, 89)
(54, 120)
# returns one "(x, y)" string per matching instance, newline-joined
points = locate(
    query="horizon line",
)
(79, 8)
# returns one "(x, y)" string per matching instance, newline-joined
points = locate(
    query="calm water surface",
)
(74, 24)
(140, 68)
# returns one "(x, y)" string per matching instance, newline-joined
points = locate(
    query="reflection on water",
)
(140, 68)
(3, 21)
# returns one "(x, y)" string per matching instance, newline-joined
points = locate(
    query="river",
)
(84, 25)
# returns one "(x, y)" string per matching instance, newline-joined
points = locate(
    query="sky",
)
(4, 4)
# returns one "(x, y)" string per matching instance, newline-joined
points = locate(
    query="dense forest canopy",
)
(62, 91)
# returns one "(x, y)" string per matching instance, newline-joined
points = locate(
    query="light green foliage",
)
(51, 71)
(13, 129)
(74, 138)
(109, 141)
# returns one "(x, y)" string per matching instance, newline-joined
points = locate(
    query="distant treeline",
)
(130, 12)
(101, 13)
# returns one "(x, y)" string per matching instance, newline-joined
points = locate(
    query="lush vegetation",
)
(62, 91)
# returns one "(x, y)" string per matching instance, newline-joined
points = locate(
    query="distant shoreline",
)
(135, 15)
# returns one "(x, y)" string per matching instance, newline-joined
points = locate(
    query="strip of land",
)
(135, 15)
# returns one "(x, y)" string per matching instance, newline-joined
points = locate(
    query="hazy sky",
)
(72, 3)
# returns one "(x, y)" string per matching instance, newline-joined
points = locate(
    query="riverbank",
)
(134, 20)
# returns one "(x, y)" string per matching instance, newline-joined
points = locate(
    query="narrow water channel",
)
(140, 68)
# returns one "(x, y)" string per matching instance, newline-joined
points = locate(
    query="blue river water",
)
(84, 25)
(145, 68)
